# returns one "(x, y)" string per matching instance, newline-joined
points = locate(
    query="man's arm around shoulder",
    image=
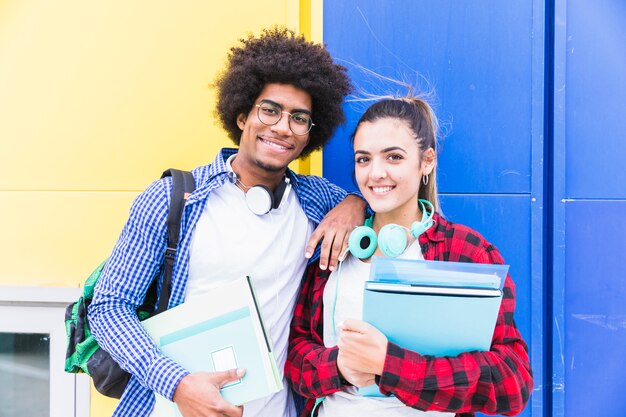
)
(343, 212)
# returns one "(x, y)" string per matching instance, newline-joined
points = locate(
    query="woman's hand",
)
(356, 378)
(362, 347)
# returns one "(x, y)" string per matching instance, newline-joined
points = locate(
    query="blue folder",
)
(433, 316)
(219, 330)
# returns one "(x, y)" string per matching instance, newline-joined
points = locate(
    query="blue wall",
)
(589, 206)
(531, 96)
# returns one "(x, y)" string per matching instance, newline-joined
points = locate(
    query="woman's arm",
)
(311, 368)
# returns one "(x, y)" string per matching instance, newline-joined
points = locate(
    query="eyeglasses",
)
(300, 123)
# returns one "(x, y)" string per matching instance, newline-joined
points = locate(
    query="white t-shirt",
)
(230, 242)
(349, 283)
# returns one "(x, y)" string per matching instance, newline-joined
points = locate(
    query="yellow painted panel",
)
(103, 95)
(58, 238)
(317, 20)
(310, 24)
(96, 99)
(100, 405)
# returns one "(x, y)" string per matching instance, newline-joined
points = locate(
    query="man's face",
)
(272, 148)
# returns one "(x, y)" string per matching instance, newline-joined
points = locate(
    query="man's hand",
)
(356, 378)
(362, 347)
(335, 229)
(198, 394)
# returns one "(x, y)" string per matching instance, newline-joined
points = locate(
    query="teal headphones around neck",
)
(392, 238)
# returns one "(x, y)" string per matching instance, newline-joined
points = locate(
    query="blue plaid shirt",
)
(136, 259)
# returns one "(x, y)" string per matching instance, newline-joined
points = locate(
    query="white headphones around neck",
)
(260, 199)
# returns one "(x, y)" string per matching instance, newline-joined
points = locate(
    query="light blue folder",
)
(440, 320)
(231, 337)
(220, 330)
(438, 273)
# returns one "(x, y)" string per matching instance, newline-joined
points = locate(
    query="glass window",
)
(32, 355)
(25, 374)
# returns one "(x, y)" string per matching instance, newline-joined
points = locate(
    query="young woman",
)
(395, 160)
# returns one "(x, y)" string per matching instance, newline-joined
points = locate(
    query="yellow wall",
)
(97, 98)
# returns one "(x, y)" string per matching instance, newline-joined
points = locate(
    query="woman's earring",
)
(425, 179)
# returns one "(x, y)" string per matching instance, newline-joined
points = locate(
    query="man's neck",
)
(250, 175)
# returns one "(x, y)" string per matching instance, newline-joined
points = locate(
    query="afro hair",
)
(280, 56)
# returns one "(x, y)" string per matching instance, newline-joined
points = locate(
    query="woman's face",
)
(389, 166)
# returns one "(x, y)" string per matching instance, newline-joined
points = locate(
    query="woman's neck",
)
(404, 217)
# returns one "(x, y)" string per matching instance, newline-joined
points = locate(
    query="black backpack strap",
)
(183, 184)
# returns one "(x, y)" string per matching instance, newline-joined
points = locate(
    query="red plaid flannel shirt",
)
(495, 382)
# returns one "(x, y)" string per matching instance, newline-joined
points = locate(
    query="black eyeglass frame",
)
(278, 108)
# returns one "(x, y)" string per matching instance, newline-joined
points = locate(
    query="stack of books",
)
(432, 307)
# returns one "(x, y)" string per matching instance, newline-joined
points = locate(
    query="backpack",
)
(83, 353)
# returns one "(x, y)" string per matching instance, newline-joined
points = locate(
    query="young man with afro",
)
(279, 98)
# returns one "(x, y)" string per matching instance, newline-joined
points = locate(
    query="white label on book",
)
(223, 360)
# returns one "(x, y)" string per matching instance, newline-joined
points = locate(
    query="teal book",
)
(433, 313)
(438, 273)
(220, 330)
